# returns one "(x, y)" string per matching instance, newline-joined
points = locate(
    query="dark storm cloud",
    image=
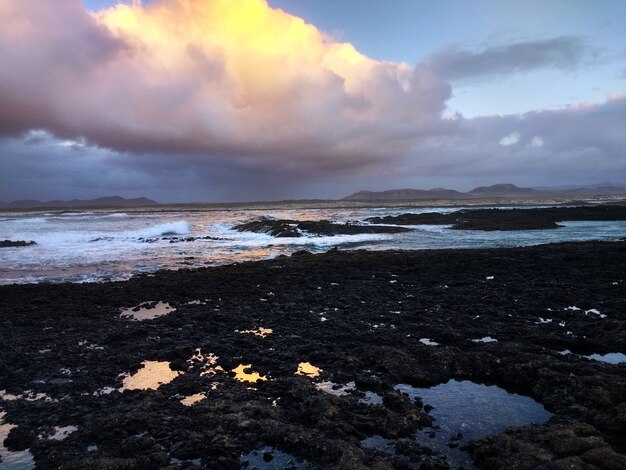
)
(579, 143)
(565, 52)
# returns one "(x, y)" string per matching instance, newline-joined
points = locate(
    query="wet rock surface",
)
(15, 243)
(294, 228)
(66, 352)
(508, 219)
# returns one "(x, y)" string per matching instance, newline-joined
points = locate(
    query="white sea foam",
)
(180, 227)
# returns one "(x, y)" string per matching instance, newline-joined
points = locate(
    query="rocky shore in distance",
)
(294, 228)
(507, 219)
(15, 243)
(359, 320)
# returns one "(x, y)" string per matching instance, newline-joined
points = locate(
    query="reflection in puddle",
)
(208, 361)
(335, 389)
(485, 339)
(269, 458)
(27, 395)
(60, 433)
(242, 376)
(428, 342)
(609, 358)
(147, 311)
(151, 376)
(19, 460)
(379, 443)
(193, 399)
(260, 331)
(466, 411)
(372, 398)
(307, 369)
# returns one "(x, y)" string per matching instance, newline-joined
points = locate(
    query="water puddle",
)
(260, 331)
(269, 458)
(27, 395)
(485, 339)
(207, 361)
(193, 399)
(465, 411)
(307, 369)
(372, 398)
(609, 358)
(336, 389)
(147, 311)
(151, 376)
(19, 460)
(60, 433)
(379, 443)
(428, 342)
(242, 376)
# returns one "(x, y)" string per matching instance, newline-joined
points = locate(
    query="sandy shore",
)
(353, 317)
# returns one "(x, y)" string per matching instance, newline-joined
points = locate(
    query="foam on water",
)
(168, 229)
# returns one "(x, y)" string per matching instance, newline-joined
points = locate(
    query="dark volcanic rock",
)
(294, 228)
(357, 316)
(507, 219)
(11, 243)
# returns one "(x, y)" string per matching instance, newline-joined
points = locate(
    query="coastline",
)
(356, 315)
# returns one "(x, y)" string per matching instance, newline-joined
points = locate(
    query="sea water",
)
(87, 246)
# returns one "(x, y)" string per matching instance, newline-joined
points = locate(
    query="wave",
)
(167, 229)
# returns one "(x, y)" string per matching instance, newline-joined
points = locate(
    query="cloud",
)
(229, 78)
(584, 142)
(564, 52)
(573, 145)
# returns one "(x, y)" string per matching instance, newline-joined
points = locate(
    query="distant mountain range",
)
(497, 190)
(111, 201)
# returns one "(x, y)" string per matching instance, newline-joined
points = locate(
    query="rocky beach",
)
(309, 361)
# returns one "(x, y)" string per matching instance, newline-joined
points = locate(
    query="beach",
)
(310, 361)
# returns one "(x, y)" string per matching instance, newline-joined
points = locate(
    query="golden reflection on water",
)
(260, 331)
(242, 376)
(151, 376)
(307, 369)
(208, 361)
(144, 313)
(193, 399)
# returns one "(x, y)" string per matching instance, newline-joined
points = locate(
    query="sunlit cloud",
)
(228, 77)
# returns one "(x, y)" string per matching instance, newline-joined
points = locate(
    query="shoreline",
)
(356, 315)
(477, 202)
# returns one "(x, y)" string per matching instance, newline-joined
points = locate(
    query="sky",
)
(238, 100)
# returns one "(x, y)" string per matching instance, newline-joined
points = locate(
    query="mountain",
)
(502, 190)
(437, 193)
(111, 201)
(496, 190)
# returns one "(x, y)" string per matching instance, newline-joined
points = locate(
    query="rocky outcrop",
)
(295, 228)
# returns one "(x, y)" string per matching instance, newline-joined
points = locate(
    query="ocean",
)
(101, 245)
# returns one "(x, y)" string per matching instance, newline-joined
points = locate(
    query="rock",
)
(296, 228)
(18, 243)
(605, 458)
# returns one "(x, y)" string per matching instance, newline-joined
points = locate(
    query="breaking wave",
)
(167, 229)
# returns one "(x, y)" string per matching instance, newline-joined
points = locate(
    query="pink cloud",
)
(218, 77)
